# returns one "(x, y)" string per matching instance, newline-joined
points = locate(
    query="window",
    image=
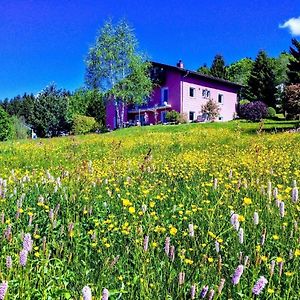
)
(192, 116)
(206, 94)
(220, 99)
(192, 92)
(220, 118)
(163, 117)
(164, 95)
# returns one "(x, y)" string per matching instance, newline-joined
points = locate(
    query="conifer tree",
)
(294, 63)
(218, 68)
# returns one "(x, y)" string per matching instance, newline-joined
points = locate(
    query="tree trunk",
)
(118, 113)
(122, 114)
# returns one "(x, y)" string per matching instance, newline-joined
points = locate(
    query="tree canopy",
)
(294, 63)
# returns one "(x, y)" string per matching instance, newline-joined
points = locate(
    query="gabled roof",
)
(196, 74)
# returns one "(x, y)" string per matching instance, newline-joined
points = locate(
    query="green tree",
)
(261, 84)
(50, 112)
(294, 63)
(204, 70)
(5, 125)
(116, 68)
(218, 68)
(240, 71)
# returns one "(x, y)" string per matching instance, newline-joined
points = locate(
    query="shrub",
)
(212, 109)
(183, 118)
(253, 111)
(271, 112)
(244, 101)
(83, 124)
(291, 101)
(20, 131)
(6, 129)
(173, 116)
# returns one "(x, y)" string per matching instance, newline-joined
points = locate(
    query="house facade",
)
(182, 90)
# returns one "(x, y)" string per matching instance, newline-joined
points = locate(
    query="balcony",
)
(146, 108)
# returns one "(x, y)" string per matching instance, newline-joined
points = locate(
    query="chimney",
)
(180, 64)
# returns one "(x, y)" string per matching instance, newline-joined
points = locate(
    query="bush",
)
(243, 102)
(271, 112)
(183, 118)
(253, 111)
(83, 124)
(20, 131)
(173, 116)
(6, 129)
(212, 109)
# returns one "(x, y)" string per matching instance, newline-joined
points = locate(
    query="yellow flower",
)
(107, 245)
(275, 237)
(131, 210)
(126, 202)
(188, 261)
(270, 291)
(279, 259)
(210, 259)
(241, 218)
(173, 230)
(154, 245)
(152, 204)
(37, 254)
(263, 258)
(247, 201)
(297, 252)
(288, 274)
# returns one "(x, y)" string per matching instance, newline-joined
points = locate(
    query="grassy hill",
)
(137, 209)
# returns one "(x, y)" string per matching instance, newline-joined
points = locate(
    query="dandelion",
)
(237, 274)
(86, 293)
(8, 262)
(259, 285)
(3, 289)
(255, 218)
(23, 257)
(204, 292)
(146, 242)
(27, 242)
(105, 294)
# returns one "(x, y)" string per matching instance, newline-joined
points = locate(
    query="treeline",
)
(273, 81)
(52, 112)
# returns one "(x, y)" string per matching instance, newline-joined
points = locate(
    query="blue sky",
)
(46, 41)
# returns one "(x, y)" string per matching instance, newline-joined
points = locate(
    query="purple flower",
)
(204, 292)
(3, 289)
(255, 218)
(211, 294)
(146, 242)
(167, 245)
(259, 285)
(193, 291)
(295, 194)
(235, 221)
(105, 294)
(23, 257)
(221, 286)
(241, 235)
(27, 242)
(86, 293)
(8, 262)
(172, 253)
(281, 208)
(191, 230)
(237, 274)
(181, 278)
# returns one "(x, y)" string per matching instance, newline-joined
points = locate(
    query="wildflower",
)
(295, 194)
(280, 264)
(221, 286)
(255, 218)
(23, 257)
(193, 291)
(173, 230)
(105, 294)
(297, 252)
(246, 260)
(8, 262)
(172, 253)
(275, 237)
(237, 274)
(270, 291)
(191, 230)
(131, 210)
(259, 285)
(87, 293)
(3, 289)
(235, 221)
(241, 235)
(210, 259)
(281, 209)
(181, 278)
(247, 201)
(211, 294)
(288, 274)
(146, 242)
(217, 246)
(167, 246)
(27, 242)
(204, 292)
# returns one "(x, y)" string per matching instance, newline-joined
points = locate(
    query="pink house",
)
(182, 90)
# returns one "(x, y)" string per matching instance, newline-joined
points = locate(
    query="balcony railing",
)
(146, 108)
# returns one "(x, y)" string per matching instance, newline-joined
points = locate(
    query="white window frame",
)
(194, 92)
(220, 118)
(162, 95)
(222, 98)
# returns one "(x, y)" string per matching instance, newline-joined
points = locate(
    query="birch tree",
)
(115, 67)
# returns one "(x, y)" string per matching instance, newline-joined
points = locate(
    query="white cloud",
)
(293, 24)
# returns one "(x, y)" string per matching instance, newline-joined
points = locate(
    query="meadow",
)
(199, 211)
